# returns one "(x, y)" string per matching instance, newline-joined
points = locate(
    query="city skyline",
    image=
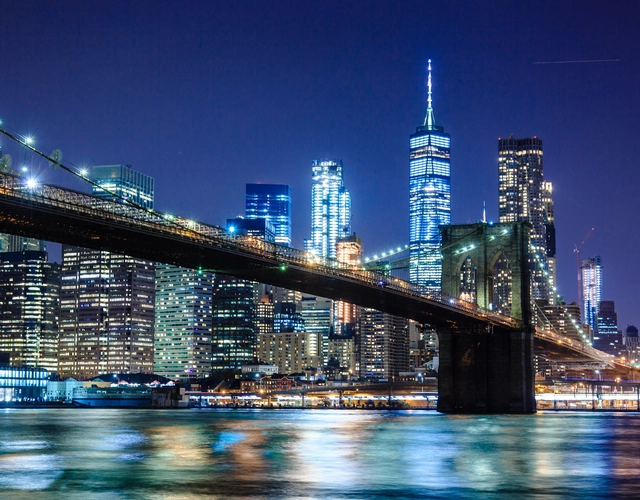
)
(252, 97)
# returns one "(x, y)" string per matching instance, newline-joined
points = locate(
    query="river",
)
(304, 454)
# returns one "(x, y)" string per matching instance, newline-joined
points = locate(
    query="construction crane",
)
(577, 249)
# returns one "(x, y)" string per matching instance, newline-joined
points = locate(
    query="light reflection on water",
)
(294, 454)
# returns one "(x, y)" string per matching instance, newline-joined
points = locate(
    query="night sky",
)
(208, 96)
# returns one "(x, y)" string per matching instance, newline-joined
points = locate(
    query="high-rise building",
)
(106, 313)
(429, 197)
(384, 344)
(317, 313)
(29, 305)
(607, 337)
(258, 228)
(523, 197)
(122, 182)
(550, 230)
(330, 208)
(234, 329)
(631, 343)
(591, 272)
(273, 203)
(107, 300)
(182, 323)
(348, 251)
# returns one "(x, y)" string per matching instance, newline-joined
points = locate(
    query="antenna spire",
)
(429, 119)
(429, 86)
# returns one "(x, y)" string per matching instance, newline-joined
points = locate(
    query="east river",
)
(303, 454)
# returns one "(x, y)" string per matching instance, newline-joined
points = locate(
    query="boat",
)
(110, 397)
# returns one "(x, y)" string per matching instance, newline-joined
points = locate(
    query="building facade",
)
(429, 197)
(106, 313)
(607, 337)
(123, 183)
(330, 208)
(183, 323)
(29, 308)
(383, 345)
(522, 196)
(271, 202)
(591, 273)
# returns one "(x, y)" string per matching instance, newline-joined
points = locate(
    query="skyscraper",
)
(182, 323)
(591, 271)
(330, 208)
(521, 194)
(429, 197)
(107, 300)
(550, 230)
(122, 182)
(273, 203)
(607, 337)
(29, 302)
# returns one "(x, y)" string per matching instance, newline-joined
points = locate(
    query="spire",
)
(429, 119)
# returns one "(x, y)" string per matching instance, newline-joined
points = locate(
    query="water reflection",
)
(197, 454)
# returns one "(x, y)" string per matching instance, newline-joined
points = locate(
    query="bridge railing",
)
(576, 345)
(125, 213)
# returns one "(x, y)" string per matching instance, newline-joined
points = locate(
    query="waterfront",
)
(196, 454)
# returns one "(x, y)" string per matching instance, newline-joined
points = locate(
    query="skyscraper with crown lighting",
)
(429, 197)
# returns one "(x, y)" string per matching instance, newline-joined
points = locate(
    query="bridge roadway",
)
(65, 216)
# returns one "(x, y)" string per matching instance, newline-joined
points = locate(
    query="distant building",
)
(429, 197)
(121, 182)
(523, 196)
(591, 273)
(330, 208)
(258, 228)
(287, 350)
(233, 328)
(607, 337)
(383, 344)
(29, 306)
(348, 251)
(107, 300)
(317, 313)
(271, 202)
(631, 344)
(563, 319)
(183, 323)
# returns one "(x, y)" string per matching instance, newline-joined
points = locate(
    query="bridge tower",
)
(487, 369)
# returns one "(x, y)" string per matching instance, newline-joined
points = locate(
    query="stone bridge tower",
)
(487, 369)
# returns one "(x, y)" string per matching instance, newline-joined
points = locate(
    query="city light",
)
(32, 183)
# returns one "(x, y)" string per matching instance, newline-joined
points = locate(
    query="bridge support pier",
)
(486, 372)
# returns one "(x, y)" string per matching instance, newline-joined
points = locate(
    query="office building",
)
(607, 337)
(258, 228)
(383, 344)
(29, 306)
(183, 323)
(330, 208)
(429, 197)
(591, 273)
(106, 313)
(286, 350)
(107, 300)
(348, 251)
(632, 344)
(523, 197)
(550, 231)
(122, 182)
(233, 329)
(271, 202)
(317, 314)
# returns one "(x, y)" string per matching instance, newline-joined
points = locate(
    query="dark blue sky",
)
(208, 96)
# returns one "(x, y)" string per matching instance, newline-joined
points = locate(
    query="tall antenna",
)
(429, 86)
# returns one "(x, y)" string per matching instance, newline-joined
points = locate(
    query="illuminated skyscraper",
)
(429, 197)
(330, 208)
(107, 300)
(524, 197)
(591, 270)
(122, 182)
(182, 323)
(273, 203)
(29, 302)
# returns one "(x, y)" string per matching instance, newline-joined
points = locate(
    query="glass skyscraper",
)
(330, 208)
(121, 181)
(591, 270)
(273, 203)
(429, 197)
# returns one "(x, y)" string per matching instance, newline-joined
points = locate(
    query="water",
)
(293, 454)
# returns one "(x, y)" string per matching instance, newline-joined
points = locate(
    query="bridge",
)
(486, 359)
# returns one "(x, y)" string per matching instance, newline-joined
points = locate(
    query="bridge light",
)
(200, 270)
(32, 183)
(83, 172)
(283, 267)
(28, 140)
(232, 229)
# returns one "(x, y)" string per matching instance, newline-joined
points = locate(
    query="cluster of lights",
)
(390, 253)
